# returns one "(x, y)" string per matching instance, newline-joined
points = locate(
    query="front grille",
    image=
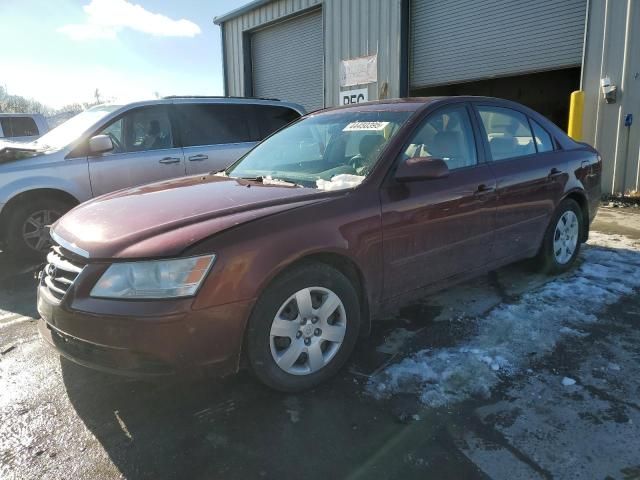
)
(60, 272)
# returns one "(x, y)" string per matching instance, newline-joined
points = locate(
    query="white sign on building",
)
(359, 71)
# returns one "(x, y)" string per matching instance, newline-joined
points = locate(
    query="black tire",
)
(259, 327)
(17, 218)
(546, 260)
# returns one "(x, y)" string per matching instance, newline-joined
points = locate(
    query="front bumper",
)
(174, 339)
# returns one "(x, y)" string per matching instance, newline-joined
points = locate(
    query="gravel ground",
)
(510, 376)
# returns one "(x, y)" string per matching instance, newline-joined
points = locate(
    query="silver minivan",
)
(109, 147)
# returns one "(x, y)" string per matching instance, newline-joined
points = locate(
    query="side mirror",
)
(100, 144)
(422, 168)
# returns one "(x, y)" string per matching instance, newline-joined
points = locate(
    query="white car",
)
(22, 127)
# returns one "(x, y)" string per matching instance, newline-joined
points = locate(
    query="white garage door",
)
(463, 40)
(287, 61)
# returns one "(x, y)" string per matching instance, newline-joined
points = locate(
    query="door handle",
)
(198, 158)
(483, 189)
(167, 160)
(555, 173)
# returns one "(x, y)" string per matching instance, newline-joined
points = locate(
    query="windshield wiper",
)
(268, 180)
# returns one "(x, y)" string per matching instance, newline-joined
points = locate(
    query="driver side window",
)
(115, 131)
(142, 129)
(446, 134)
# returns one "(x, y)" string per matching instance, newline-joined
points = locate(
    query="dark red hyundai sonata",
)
(286, 257)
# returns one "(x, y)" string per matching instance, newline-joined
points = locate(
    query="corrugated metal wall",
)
(353, 28)
(234, 38)
(462, 40)
(278, 71)
(357, 28)
(613, 50)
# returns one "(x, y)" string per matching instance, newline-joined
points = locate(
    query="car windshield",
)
(329, 151)
(64, 134)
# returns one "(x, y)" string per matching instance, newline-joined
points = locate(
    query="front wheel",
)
(561, 243)
(28, 226)
(303, 328)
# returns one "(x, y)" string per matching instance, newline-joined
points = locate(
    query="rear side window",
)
(212, 124)
(271, 118)
(508, 132)
(544, 143)
(19, 127)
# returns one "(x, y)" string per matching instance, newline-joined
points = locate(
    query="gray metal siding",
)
(613, 50)
(358, 28)
(288, 61)
(463, 40)
(234, 38)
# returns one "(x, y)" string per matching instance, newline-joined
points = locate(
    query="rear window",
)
(18, 127)
(271, 118)
(212, 124)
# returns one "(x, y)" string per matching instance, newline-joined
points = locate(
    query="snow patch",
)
(510, 335)
(340, 182)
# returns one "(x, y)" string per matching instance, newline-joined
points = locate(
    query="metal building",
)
(322, 53)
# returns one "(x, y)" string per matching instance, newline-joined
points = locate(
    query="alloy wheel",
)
(35, 229)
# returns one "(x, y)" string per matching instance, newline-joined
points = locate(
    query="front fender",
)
(251, 255)
(72, 177)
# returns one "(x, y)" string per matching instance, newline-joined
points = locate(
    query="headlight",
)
(154, 279)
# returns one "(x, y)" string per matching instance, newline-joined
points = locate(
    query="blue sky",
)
(59, 52)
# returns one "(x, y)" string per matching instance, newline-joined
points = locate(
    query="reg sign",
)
(348, 97)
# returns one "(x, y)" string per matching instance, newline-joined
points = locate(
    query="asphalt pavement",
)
(564, 405)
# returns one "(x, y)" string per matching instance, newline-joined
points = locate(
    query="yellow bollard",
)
(576, 109)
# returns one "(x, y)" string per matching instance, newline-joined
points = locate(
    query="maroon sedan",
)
(286, 257)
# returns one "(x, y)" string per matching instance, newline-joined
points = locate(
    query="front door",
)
(437, 228)
(530, 177)
(143, 152)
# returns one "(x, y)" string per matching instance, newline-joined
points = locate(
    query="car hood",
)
(12, 151)
(162, 219)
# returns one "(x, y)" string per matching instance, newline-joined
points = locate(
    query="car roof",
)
(417, 103)
(32, 115)
(178, 99)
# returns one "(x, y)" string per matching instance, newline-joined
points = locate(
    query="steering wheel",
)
(356, 162)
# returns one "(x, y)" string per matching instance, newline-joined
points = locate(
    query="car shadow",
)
(18, 285)
(236, 428)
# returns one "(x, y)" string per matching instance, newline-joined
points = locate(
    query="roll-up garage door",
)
(463, 40)
(288, 61)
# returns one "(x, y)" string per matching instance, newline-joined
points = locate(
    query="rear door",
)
(530, 174)
(438, 228)
(271, 118)
(214, 135)
(144, 151)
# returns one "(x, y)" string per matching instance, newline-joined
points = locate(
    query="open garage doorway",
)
(545, 92)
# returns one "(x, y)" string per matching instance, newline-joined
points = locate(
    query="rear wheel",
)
(303, 328)
(28, 226)
(561, 243)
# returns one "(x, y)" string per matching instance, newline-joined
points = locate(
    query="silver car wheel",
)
(35, 229)
(308, 330)
(565, 237)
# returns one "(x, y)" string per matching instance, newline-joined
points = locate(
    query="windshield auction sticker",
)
(366, 126)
